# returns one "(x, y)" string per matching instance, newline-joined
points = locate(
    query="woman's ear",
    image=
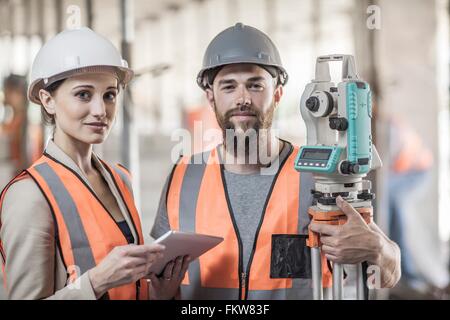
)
(48, 102)
(210, 97)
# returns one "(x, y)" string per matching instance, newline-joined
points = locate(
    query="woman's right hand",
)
(124, 265)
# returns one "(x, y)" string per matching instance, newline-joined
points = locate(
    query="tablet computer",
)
(179, 243)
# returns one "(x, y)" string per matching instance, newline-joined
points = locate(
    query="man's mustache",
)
(242, 111)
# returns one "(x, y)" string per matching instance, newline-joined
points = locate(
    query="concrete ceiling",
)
(152, 9)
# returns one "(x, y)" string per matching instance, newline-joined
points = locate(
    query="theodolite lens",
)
(313, 104)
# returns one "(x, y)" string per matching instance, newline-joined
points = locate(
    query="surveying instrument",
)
(339, 153)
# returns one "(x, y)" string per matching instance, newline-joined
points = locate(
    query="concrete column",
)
(170, 89)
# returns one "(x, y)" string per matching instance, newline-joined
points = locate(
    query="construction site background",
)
(401, 48)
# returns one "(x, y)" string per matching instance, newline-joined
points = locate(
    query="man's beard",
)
(244, 139)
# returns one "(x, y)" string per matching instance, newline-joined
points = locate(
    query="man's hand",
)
(351, 243)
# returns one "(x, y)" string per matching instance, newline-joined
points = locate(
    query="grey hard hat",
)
(241, 44)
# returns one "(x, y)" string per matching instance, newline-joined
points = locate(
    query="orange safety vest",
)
(86, 232)
(197, 201)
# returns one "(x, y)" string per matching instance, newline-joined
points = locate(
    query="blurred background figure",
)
(410, 162)
(14, 126)
(22, 140)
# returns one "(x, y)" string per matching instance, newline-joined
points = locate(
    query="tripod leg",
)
(316, 265)
(359, 282)
(338, 276)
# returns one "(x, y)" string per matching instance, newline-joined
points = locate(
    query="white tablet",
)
(182, 244)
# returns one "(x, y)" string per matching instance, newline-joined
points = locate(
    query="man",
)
(232, 193)
(411, 162)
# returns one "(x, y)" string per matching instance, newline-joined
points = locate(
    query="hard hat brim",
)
(201, 75)
(124, 76)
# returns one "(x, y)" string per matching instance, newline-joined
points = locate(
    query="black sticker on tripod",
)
(290, 257)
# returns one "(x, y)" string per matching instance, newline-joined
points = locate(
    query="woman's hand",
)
(165, 287)
(124, 265)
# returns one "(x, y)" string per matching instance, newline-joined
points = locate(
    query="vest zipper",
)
(244, 278)
(241, 294)
(244, 286)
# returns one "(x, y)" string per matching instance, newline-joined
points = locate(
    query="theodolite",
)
(339, 153)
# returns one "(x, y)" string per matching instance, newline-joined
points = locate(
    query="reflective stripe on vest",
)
(197, 202)
(81, 251)
(124, 176)
(85, 230)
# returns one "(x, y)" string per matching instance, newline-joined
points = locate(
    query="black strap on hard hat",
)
(211, 74)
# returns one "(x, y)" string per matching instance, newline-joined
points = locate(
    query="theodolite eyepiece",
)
(313, 104)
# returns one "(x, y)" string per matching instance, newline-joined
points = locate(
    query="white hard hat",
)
(73, 52)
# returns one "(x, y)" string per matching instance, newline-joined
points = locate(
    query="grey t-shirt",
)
(247, 194)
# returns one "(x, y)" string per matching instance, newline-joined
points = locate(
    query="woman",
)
(69, 228)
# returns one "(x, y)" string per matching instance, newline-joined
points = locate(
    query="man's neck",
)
(240, 163)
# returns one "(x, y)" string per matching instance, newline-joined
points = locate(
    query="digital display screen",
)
(312, 154)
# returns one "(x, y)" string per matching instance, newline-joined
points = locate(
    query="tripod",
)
(332, 218)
